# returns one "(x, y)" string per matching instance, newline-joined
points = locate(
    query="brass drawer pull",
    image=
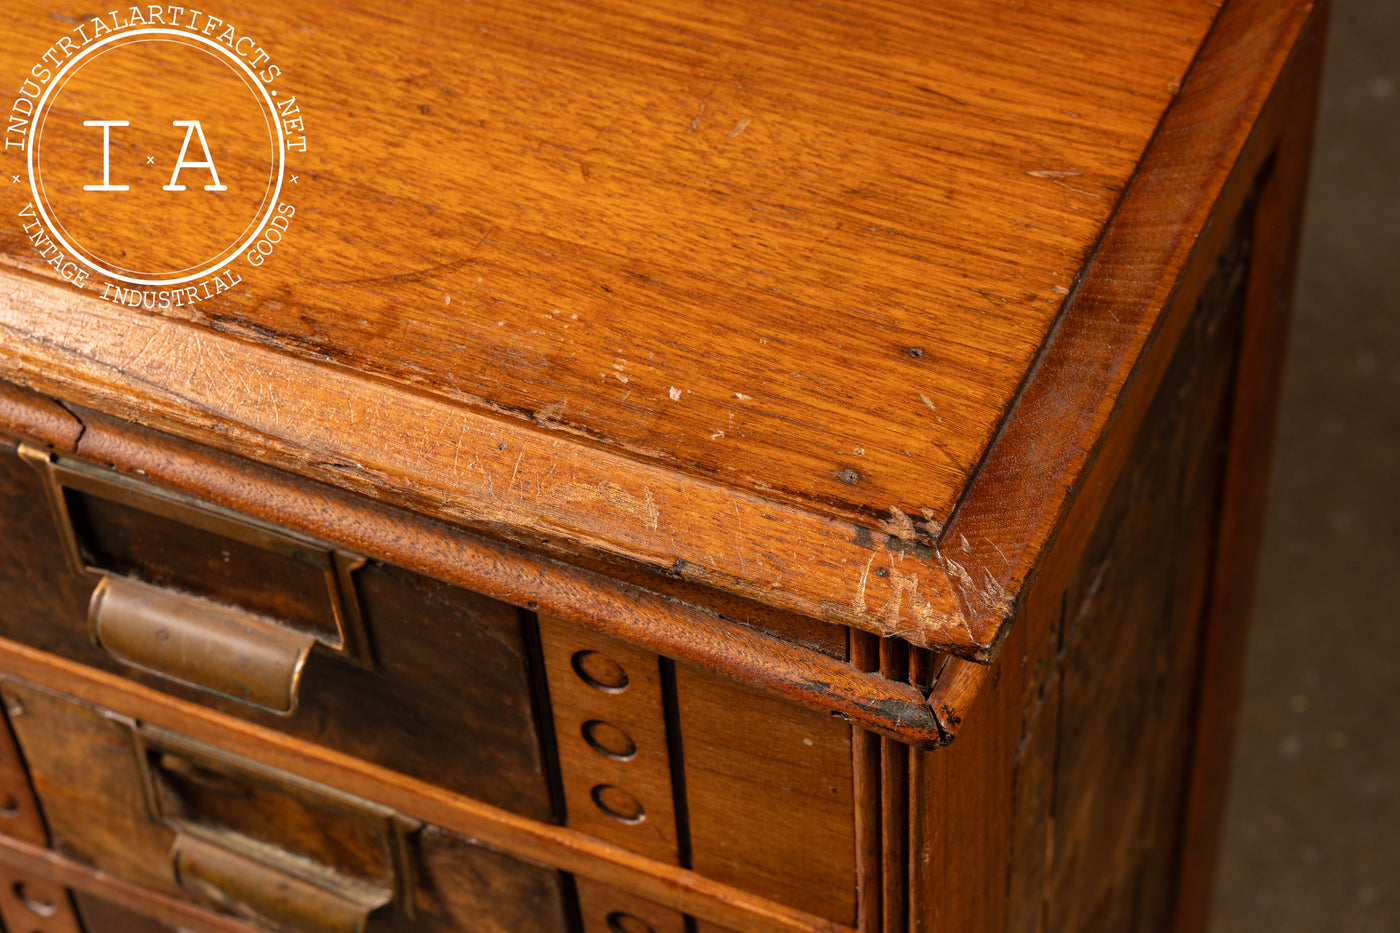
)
(197, 642)
(266, 893)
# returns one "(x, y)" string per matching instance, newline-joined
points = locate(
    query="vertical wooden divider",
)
(865, 749)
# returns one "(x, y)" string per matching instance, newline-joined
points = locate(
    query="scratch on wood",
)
(739, 127)
(1052, 174)
(905, 587)
(858, 601)
(550, 411)
(991, 596)
(610, 494)
(514, 471)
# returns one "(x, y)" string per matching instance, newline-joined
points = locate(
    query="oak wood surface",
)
(518, 280)
(1066, 434)
(770, 792)
(447, 699)
(727, 905)
(647, 618)
(550, 142)
(610, 729)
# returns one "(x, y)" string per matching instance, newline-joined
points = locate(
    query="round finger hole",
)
(619, 922)
(37, 904)
(9, 806)
(607, 739)
(618, 804)
(599, 670)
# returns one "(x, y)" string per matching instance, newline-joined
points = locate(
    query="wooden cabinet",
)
(687, 468)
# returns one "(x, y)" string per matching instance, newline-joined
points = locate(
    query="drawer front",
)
(354, 654)
(186, 819)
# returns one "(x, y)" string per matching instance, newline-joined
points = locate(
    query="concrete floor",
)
(1313, 835)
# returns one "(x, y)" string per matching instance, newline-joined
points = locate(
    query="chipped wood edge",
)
(1106, 354)
(486, 473)
(591, 600)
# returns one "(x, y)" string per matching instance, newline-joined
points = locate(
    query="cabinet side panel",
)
(1131, 637)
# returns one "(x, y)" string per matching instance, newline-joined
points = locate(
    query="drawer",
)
(350, 653)
(186, 819)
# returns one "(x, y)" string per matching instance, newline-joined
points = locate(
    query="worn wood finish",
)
(571, 851)
(99, 914)
(91, 887)
(86, 776)
(889, 363)
(769, 787)
(914, 599)
(448, 697)
(653, 128)
(977, 188)
(586, 598)
(1123, 321)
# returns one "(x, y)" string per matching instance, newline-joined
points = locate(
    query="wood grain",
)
(1110, 346)
(586, 598)
(90, 886)
(605, 909)
(1132, 636)
(596, 502)
(770, 795)
(448, 697)
(727, 905)
(513, 354)
(528, 226)
(611, 735)
(1253, 422)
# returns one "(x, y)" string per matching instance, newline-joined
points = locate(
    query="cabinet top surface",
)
(803, 252)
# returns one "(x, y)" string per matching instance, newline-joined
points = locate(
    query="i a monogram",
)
(192, 129)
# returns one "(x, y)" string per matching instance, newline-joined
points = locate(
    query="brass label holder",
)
(215, 647)
(259, 878)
